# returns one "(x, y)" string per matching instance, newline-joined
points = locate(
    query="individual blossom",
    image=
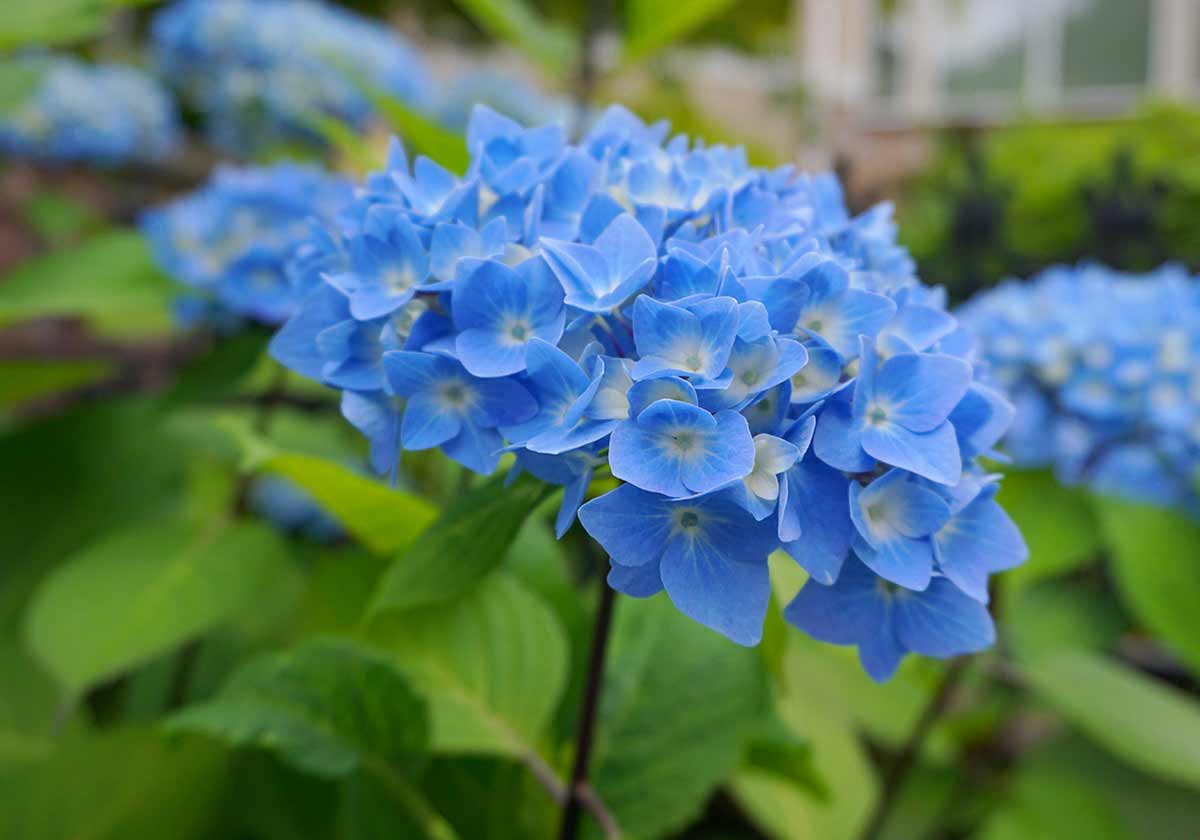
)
(1102, 368)
(756, 368)
(107, 114)
(232, 241)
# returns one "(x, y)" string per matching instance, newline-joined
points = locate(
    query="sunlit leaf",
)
(142, 591)
(519, 24)
(424, 136)
(26, 380)
(653, 24)
(492, 664)
(1148, 724)
(466, 542)
(1155, 558)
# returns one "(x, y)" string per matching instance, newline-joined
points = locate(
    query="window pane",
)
(983, 47)
(1106, 42)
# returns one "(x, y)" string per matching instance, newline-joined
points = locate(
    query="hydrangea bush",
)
(1102, 368)
(758, 369)
(104, 113)
(232, 241)
(261, 70)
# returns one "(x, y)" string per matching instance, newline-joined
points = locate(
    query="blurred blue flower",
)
(762, 371)
(260, 71)
(291, 509)
(101, 114)
(233, 240)
(1102, 369)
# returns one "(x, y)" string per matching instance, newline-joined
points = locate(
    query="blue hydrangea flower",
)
(260, 71)
(1101, 368)
(102, 114)
(233, 240)
(759, 369)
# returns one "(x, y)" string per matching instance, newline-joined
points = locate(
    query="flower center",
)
(689, 520)
(876, 415)
(693, 361)
(750, 377)
(684, 441)
(518, 332)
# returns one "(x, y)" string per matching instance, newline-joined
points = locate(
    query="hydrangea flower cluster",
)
(1104, 370)
(261, 70)
(233, 240)
(758, 369)
(104, 113)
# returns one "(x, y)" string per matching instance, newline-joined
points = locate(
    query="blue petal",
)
(819, 528)
(920, 391)
(630, 524)
(476, 449)
(375, 414)
(573, 495)
(933, 455)
(980, 539)
(838, 440)
(942, 621)
(636, 581)
(906, 562)
(843, 613)
(642, 394)
(728, 594)
(428, 422)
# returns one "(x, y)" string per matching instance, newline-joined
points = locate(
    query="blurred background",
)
(1011, 135)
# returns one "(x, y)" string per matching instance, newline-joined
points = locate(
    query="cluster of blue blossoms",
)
(262, 70)
(1104, 371)
(75, 112)
(232, 242)
(758, 369)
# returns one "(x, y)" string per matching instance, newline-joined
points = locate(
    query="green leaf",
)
(28, 707)
(382, 519)
(519, 24)
(24, 381)
(117, 785)
(1146, 723)
(1051, 805)
(1057, 522)
(346, 141)
(426, 137)
(57, 217)
(49, 22)
(679, 704)
(467, 541)
(492, 664)
(141, 592)
(18, 79)
(107, 275)
(653, 24)
(328, 708)
(1153, 555)
(1057, 615)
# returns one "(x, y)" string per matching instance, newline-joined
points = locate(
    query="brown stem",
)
(893, 782)
(577, 790)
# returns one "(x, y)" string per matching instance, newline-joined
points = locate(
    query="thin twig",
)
(893, 782)
(586, 731)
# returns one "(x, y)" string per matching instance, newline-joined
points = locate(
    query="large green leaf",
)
(1051, 806)
(838, 807)
(467, 541)
(1055, 615)
(679, 704)
(25, 380)
(519, 24)
(1155, 559)
(1057, 522)
(381, 518)
(328, 707)
(423, 135)
(493, 665)
(117, 785)
(653, 24)
(142, 591)
(51, 22)
(111, 274)
(1150, 725)
(108, 465)
(28, 706)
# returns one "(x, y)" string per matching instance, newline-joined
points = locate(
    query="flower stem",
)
(585, 733)
(893, 782)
